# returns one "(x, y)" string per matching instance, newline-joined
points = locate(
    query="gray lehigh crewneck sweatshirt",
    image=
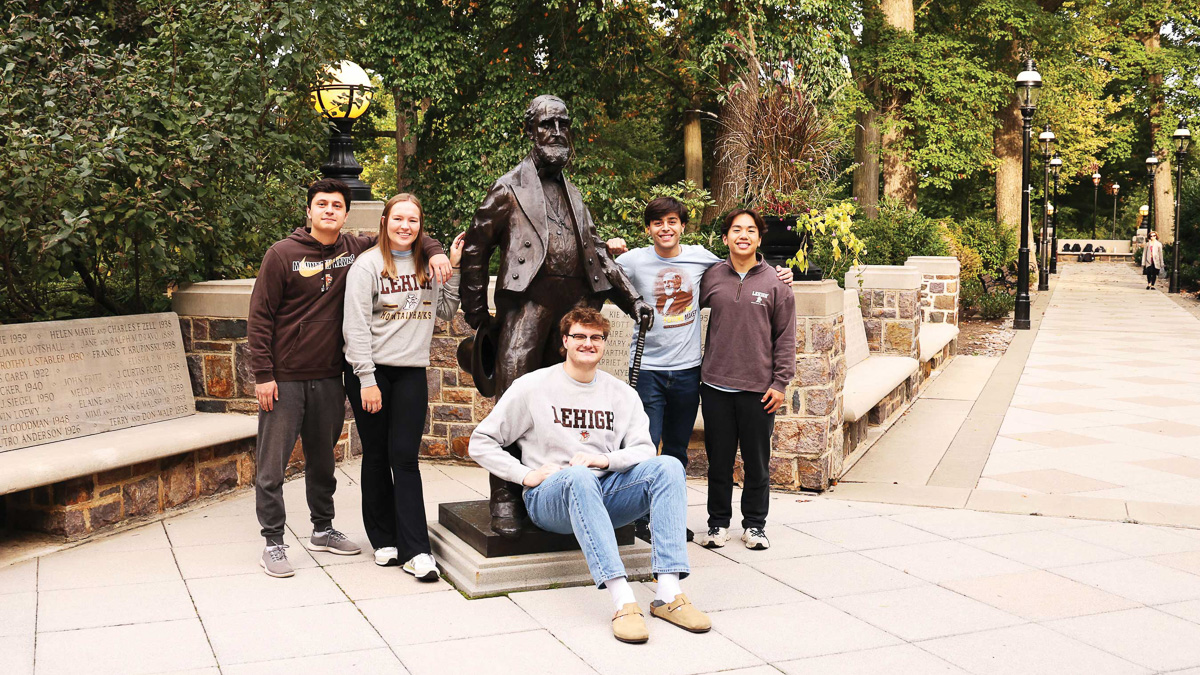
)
(389, 322)
(551, 416)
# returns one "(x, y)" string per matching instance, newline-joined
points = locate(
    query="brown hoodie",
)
(295, 322)
(751, 329)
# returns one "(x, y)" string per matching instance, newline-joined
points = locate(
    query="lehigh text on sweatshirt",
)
(551, 417)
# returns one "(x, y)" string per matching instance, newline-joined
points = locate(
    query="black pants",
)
(732, 419)
(393, 504)
(1151, 275)
(313, 411)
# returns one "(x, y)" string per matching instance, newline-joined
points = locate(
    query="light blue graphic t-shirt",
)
(672, 287)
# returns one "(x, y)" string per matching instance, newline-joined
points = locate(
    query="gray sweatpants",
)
(313, 410)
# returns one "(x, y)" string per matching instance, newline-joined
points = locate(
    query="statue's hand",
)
(643, 313)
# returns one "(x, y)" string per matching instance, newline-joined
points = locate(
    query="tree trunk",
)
(729, 169)
(406, 143)
(865, 182)
(693, 149)
(1164, 188)
(1006, 144)
(899, 178)
(866, 155)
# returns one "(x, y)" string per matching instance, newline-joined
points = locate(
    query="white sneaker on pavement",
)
(387, 556)
(716, 537)
(755, 539)
(423, 567)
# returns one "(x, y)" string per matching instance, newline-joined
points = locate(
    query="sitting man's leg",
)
(570, 501)
(657, 486)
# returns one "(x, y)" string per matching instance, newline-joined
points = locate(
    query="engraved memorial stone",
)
(65, 379)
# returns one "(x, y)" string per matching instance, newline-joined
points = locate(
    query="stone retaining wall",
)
(889, 298)
(81, 506)
(939, 287)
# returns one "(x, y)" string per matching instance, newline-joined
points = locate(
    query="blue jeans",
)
(671, 398)
(575, 500)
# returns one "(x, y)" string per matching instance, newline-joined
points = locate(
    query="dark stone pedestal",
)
(471, 522)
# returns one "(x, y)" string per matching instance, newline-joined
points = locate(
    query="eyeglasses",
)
(580, 337)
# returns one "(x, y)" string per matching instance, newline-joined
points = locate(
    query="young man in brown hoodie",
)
(295, 341)
(748, 361)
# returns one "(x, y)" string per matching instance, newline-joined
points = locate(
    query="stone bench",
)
(875, 383)
(111, 431)
(940, 287)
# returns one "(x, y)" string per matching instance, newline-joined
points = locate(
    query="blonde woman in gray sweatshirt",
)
(391, 303)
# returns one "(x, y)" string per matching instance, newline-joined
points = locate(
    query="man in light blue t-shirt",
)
(667, 275)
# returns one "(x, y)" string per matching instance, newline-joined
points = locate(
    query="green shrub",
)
(897, 233)
(996, 304)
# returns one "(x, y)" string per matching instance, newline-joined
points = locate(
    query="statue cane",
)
(551, 259)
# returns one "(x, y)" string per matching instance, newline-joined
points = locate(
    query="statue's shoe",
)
(508, 513)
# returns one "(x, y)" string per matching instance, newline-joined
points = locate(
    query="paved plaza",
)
(1094, 419)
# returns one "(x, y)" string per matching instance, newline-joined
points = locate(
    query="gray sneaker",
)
(332, 541)
(275, 561)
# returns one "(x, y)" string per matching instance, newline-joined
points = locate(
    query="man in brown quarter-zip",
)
(295, 338)
(749, 359)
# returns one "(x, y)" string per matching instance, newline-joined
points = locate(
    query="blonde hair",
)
(384, 240)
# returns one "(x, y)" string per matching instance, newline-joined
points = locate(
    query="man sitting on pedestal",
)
(587, 464)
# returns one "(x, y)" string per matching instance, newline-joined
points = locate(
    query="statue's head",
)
(548, 125)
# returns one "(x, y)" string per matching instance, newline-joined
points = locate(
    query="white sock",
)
(668, 587)
(622, 592)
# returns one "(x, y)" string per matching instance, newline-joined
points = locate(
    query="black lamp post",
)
(1029, 86)
(1055, 167)
(1095, 200)
(343, 98)
(1182, 138)
(1046, 138)
(1115, 189)
(1151, 171)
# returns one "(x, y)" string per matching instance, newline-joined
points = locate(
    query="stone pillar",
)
(939, 287)
(889, 296)
(807, 446)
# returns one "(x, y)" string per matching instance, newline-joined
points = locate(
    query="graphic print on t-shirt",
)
(409, 288)
(674, 297)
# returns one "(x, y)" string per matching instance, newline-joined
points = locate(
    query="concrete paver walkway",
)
(1108, 405)
(845, 588)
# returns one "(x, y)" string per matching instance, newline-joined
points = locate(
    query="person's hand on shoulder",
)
(456, 250)
(784, 274)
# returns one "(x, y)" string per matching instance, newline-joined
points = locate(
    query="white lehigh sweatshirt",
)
(551, 416)
(389, 322)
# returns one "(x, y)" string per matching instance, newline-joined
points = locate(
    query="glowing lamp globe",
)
(344, 93)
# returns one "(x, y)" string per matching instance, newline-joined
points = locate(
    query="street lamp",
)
(1182, 138)
(343, 97)
(1046, 138)
(1095, 198)
(1055, 167)
(1151, 171)
(1116, 188)
(1029, 87)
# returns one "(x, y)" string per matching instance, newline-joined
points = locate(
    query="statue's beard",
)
(555, 156)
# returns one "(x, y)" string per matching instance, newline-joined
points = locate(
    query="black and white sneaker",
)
(716, 537)
(755, 539)
(423, 567)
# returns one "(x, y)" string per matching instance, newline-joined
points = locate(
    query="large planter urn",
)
(781, 242)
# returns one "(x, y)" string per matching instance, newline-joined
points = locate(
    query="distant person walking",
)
(391, 301)
(295, 341)
(1152, 260)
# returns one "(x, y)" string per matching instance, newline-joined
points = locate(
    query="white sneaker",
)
(387, 556)
(423, 567)
(716, 537)
(755, 539)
